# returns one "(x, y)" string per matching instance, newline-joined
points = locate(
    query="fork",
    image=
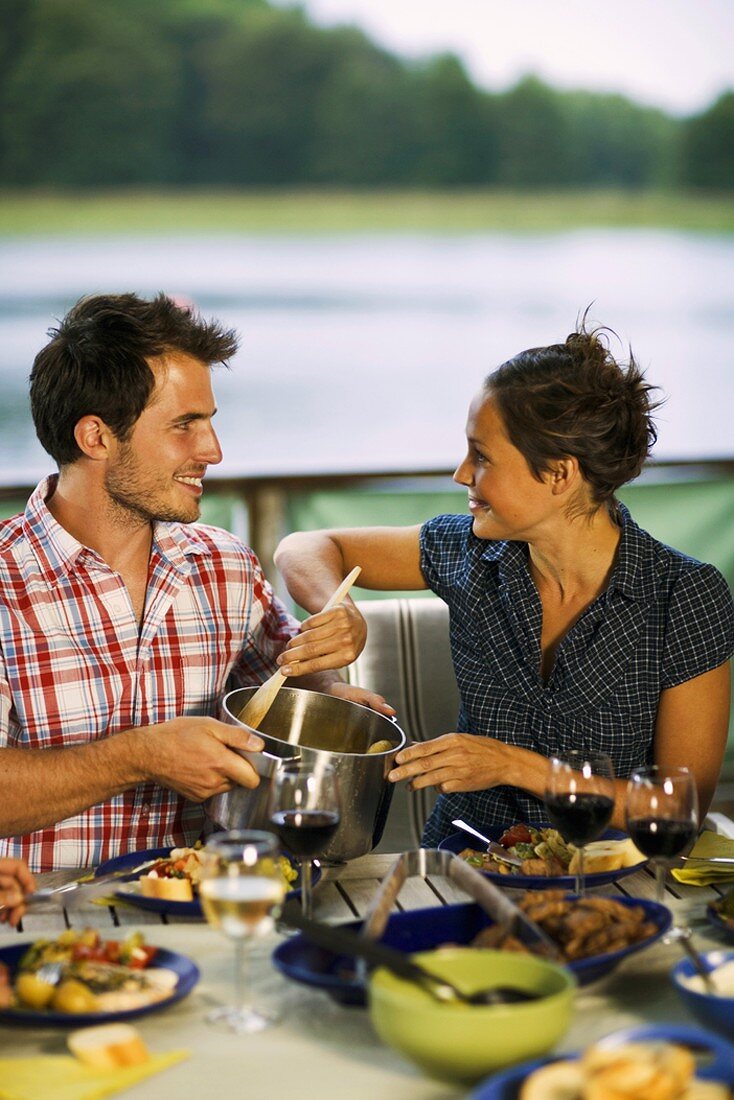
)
(50, 973)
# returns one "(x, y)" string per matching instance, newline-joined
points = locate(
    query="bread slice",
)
(108, 1046)
(558, 1081)
(600, 855)
(167, 889)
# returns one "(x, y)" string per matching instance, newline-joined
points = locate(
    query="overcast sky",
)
(674, 54)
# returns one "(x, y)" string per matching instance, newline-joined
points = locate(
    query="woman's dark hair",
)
(575, 400)
(96, 363)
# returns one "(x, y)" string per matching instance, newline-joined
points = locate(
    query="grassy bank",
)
(35, 213)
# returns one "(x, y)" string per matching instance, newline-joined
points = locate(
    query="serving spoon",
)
(260, 703)
(683, 935)
(344, 942)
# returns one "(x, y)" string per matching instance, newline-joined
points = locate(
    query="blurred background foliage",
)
(95, 93)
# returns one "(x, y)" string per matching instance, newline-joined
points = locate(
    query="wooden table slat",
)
(330, 904)
(416, 894)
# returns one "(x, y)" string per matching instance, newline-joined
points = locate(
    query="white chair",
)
(407, 659)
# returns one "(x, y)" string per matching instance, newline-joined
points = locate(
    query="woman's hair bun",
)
(588, 347)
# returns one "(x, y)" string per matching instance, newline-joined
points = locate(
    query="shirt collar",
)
(58, 552)
(638, 562)
(635, 571)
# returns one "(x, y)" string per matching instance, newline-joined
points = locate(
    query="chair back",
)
(407, 659)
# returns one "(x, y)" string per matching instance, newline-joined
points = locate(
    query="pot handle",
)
(265, 763)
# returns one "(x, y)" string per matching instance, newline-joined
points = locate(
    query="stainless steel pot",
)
(317, 729)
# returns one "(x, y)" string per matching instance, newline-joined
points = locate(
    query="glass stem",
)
(240, 975)
(306, 893)
(659, 881)
(579, 885)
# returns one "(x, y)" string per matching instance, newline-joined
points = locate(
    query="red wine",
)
(661, 836)
(305, 832)
(579, 818)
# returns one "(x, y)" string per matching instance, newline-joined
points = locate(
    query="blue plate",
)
(715, 918)
(424, 929)
(160, 905)
(457, 842)
(188, 976)
(718, 1064)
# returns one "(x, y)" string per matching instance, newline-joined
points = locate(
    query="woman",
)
(570, 626)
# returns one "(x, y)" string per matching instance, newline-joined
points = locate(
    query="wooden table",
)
(321, 1049)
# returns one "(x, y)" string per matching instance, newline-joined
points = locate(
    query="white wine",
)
(240, 905)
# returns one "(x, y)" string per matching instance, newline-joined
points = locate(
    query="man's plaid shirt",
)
(663, 619)
(75, 667)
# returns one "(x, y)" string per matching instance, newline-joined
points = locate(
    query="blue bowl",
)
(710, 1010)
(425, 929)
(714, 1058)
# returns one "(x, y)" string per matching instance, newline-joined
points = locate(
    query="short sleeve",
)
(700, 629)
(443, 552)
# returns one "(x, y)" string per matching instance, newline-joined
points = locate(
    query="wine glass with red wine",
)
(304, 810)
(662, 815)
(579, 800)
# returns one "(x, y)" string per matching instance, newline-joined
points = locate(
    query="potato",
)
(33, 992)
(381, 746)
(73, 997)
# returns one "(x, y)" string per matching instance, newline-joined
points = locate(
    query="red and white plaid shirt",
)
(75, 667)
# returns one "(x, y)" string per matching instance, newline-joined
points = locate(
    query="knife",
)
(709, 859)
(493, 848)
(79, 891)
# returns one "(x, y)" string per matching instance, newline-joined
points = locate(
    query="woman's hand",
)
(453, 762)
(330, 639)
(16, 882)
(360, 695)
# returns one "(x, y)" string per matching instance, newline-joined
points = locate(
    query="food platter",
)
(424, 929)
(185, 968)
(716, 1065)
(130, 891)
(458, 841)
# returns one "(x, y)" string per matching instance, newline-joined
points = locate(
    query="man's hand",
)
(330, 639)
(453, 762)
(195, 757)
(16, 882)
(360, 695)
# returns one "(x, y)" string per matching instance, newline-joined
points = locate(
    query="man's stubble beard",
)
(134, 503)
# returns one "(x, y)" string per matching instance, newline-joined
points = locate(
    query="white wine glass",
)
(662, 816)
(241, 890)
(304, 810)
(579, 800)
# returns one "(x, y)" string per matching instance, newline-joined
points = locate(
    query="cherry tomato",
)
(112, 951)
(518, 834)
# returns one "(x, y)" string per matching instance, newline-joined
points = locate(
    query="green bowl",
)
(464, 1043)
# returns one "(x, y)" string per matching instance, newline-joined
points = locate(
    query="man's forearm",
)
(39, 787)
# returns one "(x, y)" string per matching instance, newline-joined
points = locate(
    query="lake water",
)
(361, 353)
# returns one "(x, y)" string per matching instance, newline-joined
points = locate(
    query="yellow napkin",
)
(704, 874)
(61, 1077)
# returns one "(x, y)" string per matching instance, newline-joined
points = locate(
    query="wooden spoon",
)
(258, 706)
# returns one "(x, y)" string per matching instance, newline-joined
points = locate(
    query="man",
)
(121, 626)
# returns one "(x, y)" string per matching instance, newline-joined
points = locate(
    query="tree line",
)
(238, 93)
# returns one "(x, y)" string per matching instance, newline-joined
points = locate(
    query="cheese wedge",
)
(108, 1046)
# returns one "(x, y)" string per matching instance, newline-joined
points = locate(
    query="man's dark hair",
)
(96, 363)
